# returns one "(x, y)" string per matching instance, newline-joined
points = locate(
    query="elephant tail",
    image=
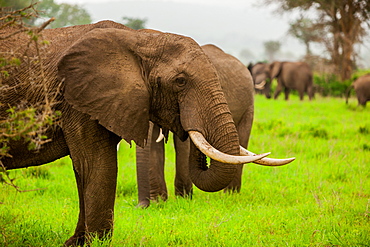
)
(348, 92)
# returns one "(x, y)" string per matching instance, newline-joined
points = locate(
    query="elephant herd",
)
(289, 75)
(111, 82)
(298, 76)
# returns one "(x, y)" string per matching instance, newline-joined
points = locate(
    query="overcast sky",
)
(233, 25)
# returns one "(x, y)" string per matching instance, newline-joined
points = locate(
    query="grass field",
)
(321, 199)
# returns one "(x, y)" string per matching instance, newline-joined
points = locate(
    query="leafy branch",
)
(24, 121)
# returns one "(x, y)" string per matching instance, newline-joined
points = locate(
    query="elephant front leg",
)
(78, 238)
(158, 188)
(142, 176)
(150, 169)
(278, 90)
(183, 184)
(287, 91)
(97, 187)
(94, 156)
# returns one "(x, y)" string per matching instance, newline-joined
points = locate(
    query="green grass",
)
(321, 199)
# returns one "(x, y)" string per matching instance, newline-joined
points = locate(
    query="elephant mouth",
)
(174, 125)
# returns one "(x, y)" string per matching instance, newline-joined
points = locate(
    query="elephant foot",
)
(157, 197)
(76, 240)
(186, 193)
(143, 204)
(232, 189)
(85, 239)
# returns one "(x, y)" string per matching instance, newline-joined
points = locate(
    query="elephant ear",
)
(103, 78)
(275, 69)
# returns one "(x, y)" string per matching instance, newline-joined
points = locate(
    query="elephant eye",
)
(180, 81)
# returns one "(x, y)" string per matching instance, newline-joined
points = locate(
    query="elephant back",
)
(237, 86)
(25, 81)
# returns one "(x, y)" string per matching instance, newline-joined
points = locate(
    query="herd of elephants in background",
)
(299, 76)
(112, 82)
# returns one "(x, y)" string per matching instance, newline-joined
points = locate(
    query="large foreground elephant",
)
(237, 85)
(290, 76)
(110, 81)
(362, 89)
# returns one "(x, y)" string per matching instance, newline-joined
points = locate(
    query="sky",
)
(233, 25)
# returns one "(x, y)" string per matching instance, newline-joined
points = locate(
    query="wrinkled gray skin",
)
(362, 89)
(113, 81)
(237, 85)
(290, 76)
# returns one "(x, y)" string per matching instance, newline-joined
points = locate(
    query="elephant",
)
(362, 89)
(109, 82)
(261, 78)
(290, 76)
(237, 85)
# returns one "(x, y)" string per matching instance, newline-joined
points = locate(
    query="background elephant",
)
(290, 76)
(362, 89)
(237, 85)
(261, 78)
(113, 81)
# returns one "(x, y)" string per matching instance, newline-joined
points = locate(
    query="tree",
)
(342, 24)
(306, 31)
(64, 14)
(271, 48)
(134, 23)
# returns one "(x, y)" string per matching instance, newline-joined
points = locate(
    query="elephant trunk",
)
(212, 118)
(218, 175)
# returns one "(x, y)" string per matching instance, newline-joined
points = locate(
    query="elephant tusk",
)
(266, 161)
(202, 144)
(261, 85)
(160, 136)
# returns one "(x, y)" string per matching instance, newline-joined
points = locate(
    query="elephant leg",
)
(244, 128)
(94, 156)
(142, 171)
(157, 181)
(286, 92)
(301, 95)
(310, 92)
(150, 169)
(142, 175)
(183, 184)
(278, 90)
(361, 99)
(78, 238)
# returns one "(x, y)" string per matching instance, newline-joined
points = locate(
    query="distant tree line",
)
(64, 14)
(338, 25)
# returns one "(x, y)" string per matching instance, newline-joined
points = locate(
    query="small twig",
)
(10, 183)
(45, 24)
(14, 33)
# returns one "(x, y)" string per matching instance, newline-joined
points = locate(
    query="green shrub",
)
(364, 129)
(37, 172)
(330, 85)
(366, 147)
(313, 131)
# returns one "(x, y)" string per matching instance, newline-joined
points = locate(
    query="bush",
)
(330, 85)
(37, 172)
